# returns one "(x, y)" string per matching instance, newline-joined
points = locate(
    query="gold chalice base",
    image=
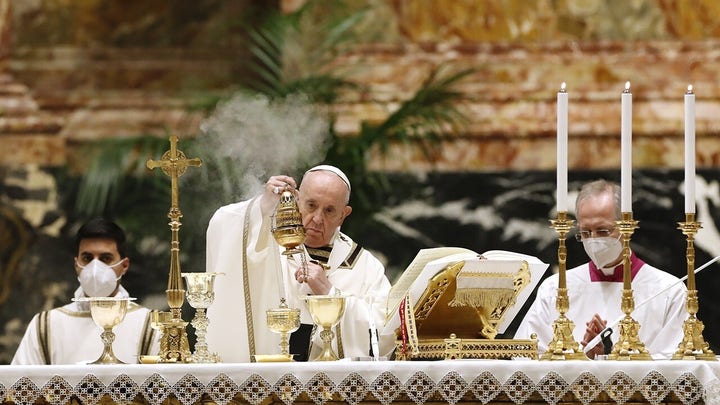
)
(148, 359)
(273, 358)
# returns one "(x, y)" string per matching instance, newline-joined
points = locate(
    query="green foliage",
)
(423, 120)
(293, 52)
(115, 175)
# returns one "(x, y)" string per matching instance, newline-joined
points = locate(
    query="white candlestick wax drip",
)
(626, 151)
(562, 149)
(690, 151)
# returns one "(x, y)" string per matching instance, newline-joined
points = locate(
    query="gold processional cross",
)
(174, 345)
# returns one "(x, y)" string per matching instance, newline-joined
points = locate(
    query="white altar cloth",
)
(418, 381)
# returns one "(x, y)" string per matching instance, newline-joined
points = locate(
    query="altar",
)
(447, 381)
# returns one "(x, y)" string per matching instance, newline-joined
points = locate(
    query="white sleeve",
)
(28, 352)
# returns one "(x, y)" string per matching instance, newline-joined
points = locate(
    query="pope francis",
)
(257, 275)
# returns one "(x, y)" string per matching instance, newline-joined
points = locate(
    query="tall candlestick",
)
(690, 151)
(626, 151)
(562, 140)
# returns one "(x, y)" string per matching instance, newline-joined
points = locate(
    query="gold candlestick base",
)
(693, 345)
(629, 346)
(563, 345)
(174, 345)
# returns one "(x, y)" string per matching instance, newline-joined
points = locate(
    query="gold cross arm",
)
(173, 163)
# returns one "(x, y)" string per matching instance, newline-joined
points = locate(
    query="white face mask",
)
(603, 251)
(97, 279)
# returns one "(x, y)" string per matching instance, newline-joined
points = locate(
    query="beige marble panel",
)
(44, 150)
(498, 154)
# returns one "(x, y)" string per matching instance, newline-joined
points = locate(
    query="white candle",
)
(690, 151)
(626, 151)
(562, 140)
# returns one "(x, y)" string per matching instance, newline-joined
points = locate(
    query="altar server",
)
(595, 288)
(257, 275)
(68, 334)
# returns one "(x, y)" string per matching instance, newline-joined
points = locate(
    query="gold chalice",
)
(286, 225)
(283, 320)
(326, 311)
(200, 294)
(107, 312)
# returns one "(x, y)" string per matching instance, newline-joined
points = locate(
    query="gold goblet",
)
(200, 294)
(283, 320)
(107, 312)
(326, 311)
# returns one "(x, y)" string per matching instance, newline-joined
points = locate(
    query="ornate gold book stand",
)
(458, 314)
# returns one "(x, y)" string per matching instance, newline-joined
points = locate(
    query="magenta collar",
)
(617, 276)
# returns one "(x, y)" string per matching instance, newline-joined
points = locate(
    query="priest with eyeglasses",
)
(595, 288)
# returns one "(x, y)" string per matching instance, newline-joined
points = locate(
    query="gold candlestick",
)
(174, 345)
(563, 345)
(628, 346)
(693, 345)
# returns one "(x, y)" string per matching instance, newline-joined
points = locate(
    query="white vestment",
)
(660, 319)
(256, 275)
(72, 337)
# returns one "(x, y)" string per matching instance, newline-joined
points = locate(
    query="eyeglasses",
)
(598, 233)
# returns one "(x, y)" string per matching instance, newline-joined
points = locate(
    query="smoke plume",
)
(252, 137)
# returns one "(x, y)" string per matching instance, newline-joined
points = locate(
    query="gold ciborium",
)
(287, 227)
(283, 320)
(326, 311)
(200, 294)
(107, 312)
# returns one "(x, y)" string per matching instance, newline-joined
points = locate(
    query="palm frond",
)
(434, 106)
(421, 120)
(337, 33)
(288, 61)
(102, 186)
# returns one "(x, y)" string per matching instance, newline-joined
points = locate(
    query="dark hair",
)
(101, 228)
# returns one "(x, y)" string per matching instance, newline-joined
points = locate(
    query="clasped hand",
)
(315, 277)
(592, 328)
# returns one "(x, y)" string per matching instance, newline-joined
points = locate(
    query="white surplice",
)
(660, 319)
(74, 338)
(257, 275)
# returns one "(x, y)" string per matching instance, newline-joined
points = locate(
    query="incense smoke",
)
(251, 137)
